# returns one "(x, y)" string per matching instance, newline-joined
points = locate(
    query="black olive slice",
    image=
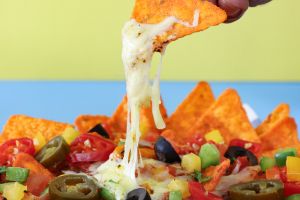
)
(165, 152)
(235, 151)
(100, 130)
(138, 194)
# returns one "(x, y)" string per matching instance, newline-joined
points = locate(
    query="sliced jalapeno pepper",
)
(257, 190)
(73, 187)
(53, 153)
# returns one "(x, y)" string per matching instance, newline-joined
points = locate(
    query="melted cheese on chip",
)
(138, 49)
(137, 53)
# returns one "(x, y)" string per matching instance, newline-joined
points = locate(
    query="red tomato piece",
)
(172, 170)
(291, 188)
(251, 146)
(198, 192)
(283, 174)
(239, 164)
(278, 173)
(10, 148)
(90, 148)
(39, 176)
(273, 174)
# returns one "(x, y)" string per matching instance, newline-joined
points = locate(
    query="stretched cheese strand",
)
(119, 175)
(137, 53)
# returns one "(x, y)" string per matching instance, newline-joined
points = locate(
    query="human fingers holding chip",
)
(236, 8)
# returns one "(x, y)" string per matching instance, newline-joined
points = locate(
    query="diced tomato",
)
(273, 173)
(239, 164)
(39, 176)
(283, 175)
(291, 188)
(90, 148)
(11, 148)
(278, 173)
(172, 170)
(251, 146)
(198, 193)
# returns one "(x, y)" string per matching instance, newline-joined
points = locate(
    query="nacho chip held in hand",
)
(155, 11)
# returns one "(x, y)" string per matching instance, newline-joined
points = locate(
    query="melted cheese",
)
(119, 176)
(110, 175)
(138, 49)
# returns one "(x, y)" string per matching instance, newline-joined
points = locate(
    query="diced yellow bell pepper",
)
(293, 168)
(39, 141)
(191, 162)
(70, 134)
(180, 185)
(14, 191)
(214, 136)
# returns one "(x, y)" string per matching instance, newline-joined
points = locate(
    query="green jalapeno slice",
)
(53, 153)
(257, 190)
(75, 187)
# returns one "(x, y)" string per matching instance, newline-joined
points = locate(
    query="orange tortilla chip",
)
(118, 121)
(216, 172)
(284, 134)
(84, 123)
(282, 111)
(229, 117)
(19, 126)
(192, 108)
(147, 126)
(155, 11)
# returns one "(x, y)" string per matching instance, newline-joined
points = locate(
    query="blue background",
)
(63, 101)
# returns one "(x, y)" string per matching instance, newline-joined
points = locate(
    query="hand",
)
(236, 8)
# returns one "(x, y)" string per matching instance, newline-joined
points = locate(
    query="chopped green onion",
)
(200, 178)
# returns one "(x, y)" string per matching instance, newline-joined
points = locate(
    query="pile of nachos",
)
(208, 151)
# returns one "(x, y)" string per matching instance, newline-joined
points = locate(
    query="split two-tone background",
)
(61, 58)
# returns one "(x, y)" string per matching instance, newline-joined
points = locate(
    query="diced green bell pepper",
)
(267, 163)
(3, 169)
(210, 155)
(175, 195)
(17, 174)
(106, 194)
(281, 156)
(294, 197)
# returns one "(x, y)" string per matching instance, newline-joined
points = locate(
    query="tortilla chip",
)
(147, 126)
(84, 123)
(119, 118)
(229, 117)
(283, 134)
(216, 172)
(19, 126)
(282, 111)
(155, 11)
(192, 108)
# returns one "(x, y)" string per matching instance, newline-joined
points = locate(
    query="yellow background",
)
(80, 40)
